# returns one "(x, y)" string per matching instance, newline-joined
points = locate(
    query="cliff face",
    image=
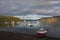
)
(52, 21)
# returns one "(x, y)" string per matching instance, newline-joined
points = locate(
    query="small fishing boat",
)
(41, 32)
(30, 25)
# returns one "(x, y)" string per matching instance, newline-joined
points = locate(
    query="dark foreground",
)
(20, 36)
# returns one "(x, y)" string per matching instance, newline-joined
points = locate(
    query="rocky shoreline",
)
(20, 36)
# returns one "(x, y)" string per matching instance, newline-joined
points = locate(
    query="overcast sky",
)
(23, 7)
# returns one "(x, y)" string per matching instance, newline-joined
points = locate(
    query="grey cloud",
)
(23, 7)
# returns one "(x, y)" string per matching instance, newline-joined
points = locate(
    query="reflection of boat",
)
(41, 32)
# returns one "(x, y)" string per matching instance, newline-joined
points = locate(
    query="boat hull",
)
(41, 34)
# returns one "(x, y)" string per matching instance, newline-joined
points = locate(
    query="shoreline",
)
(22, 36)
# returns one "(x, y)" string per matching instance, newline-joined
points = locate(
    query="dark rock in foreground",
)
(20, 36)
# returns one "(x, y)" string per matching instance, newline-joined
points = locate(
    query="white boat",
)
(30, 25)
(41, 32)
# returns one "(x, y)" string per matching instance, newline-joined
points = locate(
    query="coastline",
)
(19, 36)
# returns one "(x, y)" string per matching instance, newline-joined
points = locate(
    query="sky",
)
(24, 7)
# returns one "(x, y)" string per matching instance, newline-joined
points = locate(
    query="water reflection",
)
(52, 31)
(6, 25)
(19, 28)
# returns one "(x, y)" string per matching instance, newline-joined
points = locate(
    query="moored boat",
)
(41, 32)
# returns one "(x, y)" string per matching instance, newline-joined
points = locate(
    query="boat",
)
(41, 32)
(30, 25)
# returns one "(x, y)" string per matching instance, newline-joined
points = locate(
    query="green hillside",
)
(7, 21)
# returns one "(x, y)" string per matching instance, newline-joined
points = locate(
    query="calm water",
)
(52, 31)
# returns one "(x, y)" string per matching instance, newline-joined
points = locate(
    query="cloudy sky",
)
(23, 7)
